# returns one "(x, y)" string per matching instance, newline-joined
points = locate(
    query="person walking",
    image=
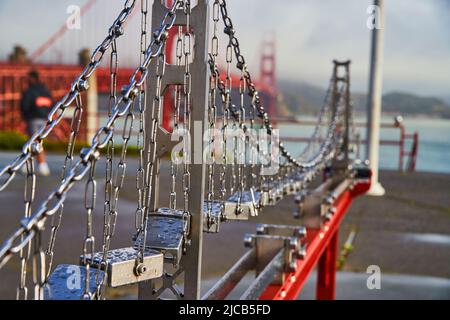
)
(35, 105)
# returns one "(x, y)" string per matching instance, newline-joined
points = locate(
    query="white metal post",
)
(375, 98)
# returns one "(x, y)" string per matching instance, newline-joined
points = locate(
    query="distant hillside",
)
(306, 98)
(411, 104)
(302, 97)
(446, 99)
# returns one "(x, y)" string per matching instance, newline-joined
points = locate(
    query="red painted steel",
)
(268, 75)
(168, 107)
(412, 154)
(412, 162)
(268, 64)
(319, 242)
(326, 271)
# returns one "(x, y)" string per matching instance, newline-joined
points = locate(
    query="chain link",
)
(89, 241)
(140, 173)
(89, 155)
(80, 85)
(212, 114)
(160, 38)
(24, 254)
(57, 218)
(174, 167)
(187, 90)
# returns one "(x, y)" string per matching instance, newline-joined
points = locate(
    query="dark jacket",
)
(36, 102)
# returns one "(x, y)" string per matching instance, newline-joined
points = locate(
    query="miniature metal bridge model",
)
(227, 165)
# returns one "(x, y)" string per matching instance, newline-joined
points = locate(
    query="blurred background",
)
(406, 233)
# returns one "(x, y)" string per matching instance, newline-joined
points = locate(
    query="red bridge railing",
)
(58, 78)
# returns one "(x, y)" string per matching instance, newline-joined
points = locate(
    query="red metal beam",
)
(267, 74)
(318, 242)
(326, 271)
(168, 106)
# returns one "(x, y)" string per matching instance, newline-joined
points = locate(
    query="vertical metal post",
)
(347, 113)
(326, 273)
(192, 262)
(175, 75)
(375, 100)
(402, 147)
(413, 155)
(335, 86)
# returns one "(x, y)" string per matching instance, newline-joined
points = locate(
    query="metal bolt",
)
(260, 229)
(292, 266)
(93, 156)
(141, 269)
(300, 232)
(301, 253)
(36, 148)
(293, 244)
(249, 241)
(83, 85)
(328, 200)
(118, 31)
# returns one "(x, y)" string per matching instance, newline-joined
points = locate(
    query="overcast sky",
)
(310, 33)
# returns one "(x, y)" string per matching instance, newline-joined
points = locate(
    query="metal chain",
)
(56, 114)
(142, 106)
(212, 113)
(243, 141)
(229, 110)
(110, 149)
(110, 189)
(176, 119)
(57, 218)
(241, 65)
(159, 40)
(89, 241)
(315, 137)
(253, 141)
(101, 139)
(226, 97)
(24, 254)
(187, 88)
(39, 275)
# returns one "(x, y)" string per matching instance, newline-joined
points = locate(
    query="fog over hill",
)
(302, 97)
